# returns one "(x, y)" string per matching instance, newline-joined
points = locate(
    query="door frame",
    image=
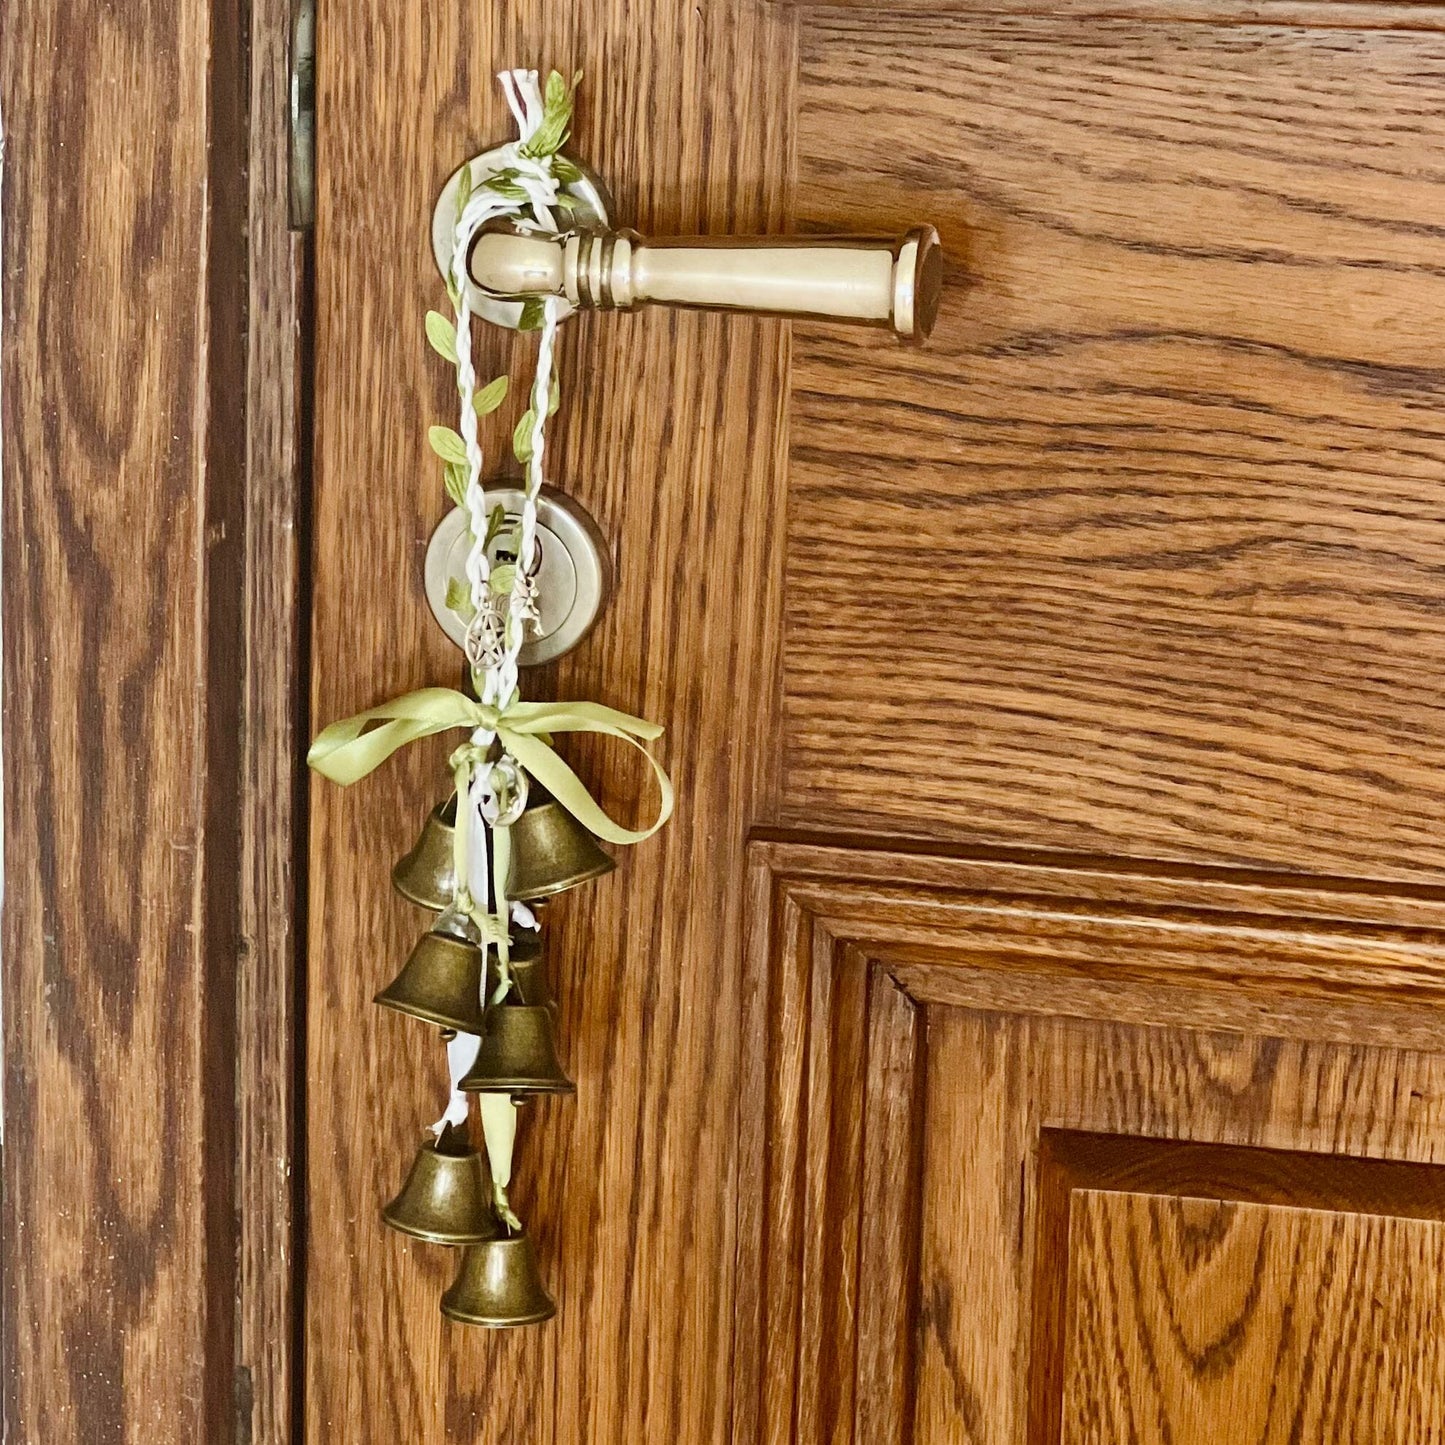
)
(165, 165)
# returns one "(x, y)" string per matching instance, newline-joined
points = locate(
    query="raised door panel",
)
(1201, 1319)
(998, 1203)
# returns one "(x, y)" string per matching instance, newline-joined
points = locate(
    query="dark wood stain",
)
(269, 1081)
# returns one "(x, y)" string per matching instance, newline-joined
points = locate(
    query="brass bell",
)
(440, 983)
(517, 1054)
(529, 975)
(499, 1285)
(446, 1197)
(552, 851)
(427, 875)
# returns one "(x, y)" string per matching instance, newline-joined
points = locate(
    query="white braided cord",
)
(494, 658)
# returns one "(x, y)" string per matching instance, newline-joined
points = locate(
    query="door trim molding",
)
(270, 1172)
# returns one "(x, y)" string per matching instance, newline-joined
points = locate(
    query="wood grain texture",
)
(1174, 454)
(985, 1051)
(1196, 1320)
(123, 375)
(268, 1077)
(1210, 947)
(1232, 1330)
(1316, 14)
(1143, 554)
(994, 1084)
(629, 1189)
(828, 1232)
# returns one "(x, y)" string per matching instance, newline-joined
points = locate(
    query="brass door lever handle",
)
(883, 281)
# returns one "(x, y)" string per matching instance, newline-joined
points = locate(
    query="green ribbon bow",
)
(348, 750)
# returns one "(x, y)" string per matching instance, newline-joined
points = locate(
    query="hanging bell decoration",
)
(440, 983)
(490, 856)
(552, 851)
(499, 1286)
(427, 875)
(447, 1196)
(517, 1054)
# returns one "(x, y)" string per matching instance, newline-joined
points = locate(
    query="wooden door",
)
(1029, 1027)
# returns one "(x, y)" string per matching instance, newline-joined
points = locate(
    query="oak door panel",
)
(1199, 1320)
(1143, 553)
(987, 1195)
(1050, 1310)
(1140, 558)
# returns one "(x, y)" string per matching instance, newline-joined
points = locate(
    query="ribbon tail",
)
(564, 785)
(501, 876)
(461, 1055)
(499, 1134)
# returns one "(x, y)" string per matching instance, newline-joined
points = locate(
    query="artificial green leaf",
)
(522, 436)
(565, 172)
(490, 397)
(533, 314)
(495, 522)
(456, 483)
(551, 134)
(506, 188)
(549, 137)
(442, 335)
(447, 444)
(464, 189)
(459, 599)
(502, 578)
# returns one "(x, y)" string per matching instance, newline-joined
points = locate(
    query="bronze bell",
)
(552, 851)
(427, 875)
(499, 1285)
(529, 974)
(446, 1197)
(517, 1054)
(440, 983)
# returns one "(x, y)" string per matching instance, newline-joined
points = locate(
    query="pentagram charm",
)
(486, 639)
(573, 573)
